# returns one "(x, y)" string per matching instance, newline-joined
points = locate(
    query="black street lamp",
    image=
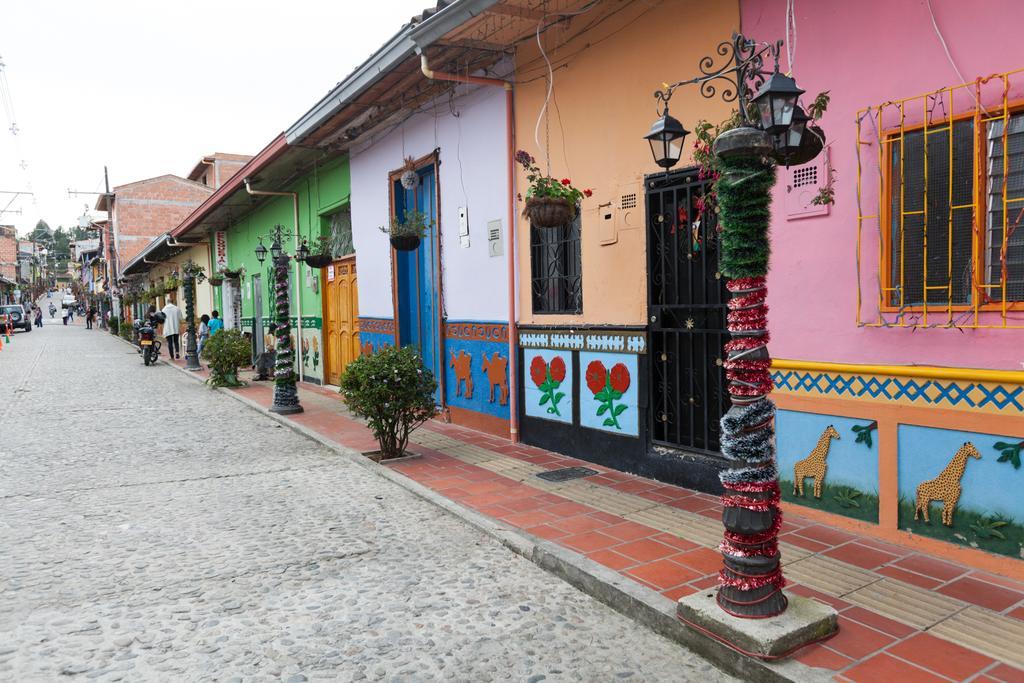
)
(286, 394)
(192, 272)
(302, 253)
(776, 101)
(772, 129)
(666, 138)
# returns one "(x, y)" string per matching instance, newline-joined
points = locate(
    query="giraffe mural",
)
(814, 465)
(946, 486)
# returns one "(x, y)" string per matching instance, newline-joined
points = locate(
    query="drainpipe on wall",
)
(298, 272)
(513, 374)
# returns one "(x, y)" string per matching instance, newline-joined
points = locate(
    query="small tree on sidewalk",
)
(394, 393)
(226, 351)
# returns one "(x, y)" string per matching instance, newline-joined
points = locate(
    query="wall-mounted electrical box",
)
(494, 247)
(463, 227)
(803, 184)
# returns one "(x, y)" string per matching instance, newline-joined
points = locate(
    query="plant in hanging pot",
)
(320, 256)
(410, 178)
(550, 203)
(216, 278)
(236, 274)
(406, 234)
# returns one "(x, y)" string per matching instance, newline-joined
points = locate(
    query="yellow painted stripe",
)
(925, 371)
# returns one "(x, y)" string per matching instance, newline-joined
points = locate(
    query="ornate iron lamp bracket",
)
(743, 72)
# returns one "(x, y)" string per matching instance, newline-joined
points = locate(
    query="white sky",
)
(148, 88)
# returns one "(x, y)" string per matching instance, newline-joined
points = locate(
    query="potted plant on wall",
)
(171, 284)
(550, 203)
(237, 274)
(406, 234)
(216, 279)
(320, 255)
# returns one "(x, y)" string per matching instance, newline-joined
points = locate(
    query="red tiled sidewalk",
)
(868, 647)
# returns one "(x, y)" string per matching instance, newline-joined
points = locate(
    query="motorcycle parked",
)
(149, 345)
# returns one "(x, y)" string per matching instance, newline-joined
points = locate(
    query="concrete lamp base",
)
(804, 622)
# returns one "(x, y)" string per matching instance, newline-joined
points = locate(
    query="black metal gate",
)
(687, 309)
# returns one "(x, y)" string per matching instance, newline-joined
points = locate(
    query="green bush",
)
(125, 330)
(112, 324)
(226, 351)
(394, 393)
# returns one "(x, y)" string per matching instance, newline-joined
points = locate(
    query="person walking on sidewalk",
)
(39, 316)
(203, 333)
(53, 309)
(172, 328)
(90, 317)
(216, 324)
(67, 312)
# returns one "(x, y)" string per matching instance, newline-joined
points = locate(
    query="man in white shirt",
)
(172, 328)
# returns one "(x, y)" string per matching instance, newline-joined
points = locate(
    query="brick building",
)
(144, 209)
(8, 252)
(214, 169)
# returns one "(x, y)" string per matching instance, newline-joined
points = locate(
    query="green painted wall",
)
(322, 191)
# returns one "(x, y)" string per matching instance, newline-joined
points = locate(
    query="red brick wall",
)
(225, 168)
(8, 252)
(150, 208)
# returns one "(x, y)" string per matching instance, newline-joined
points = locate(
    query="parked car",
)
(17, 316)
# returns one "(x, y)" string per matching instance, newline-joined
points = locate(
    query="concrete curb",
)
(639, 603)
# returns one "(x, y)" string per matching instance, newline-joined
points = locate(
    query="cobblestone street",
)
(152, 529)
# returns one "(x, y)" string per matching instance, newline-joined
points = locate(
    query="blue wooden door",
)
(418, 280)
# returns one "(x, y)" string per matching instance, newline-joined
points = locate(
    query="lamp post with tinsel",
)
(286, 394)
(770, 130)
(192, 273)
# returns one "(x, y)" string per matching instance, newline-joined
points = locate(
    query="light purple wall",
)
(866, 53)
(472, 174)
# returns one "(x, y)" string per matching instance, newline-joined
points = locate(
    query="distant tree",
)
(42, 233)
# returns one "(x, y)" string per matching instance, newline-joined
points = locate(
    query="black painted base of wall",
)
(626, 454)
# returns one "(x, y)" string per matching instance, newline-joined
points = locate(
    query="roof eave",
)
(451, 17)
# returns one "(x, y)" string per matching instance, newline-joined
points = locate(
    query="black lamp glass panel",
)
(275, 249)
(261, 252)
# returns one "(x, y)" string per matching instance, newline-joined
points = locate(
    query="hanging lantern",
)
(261, 252)
(776, 102)
(666, 139)
(787, 143)
(302, 253)
(275, 249)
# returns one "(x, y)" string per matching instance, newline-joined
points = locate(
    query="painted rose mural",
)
(549, 377)
(608, 386)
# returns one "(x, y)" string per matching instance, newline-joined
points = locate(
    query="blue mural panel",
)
(476, 376)
(548, 387)
(375, 340)
(839, 454)
(609, 392)
(968, 485)
(986, 484)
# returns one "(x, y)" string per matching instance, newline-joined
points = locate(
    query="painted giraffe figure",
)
(946, 486)
(814, 465)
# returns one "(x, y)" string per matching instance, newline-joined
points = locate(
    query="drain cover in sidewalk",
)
(567, 473)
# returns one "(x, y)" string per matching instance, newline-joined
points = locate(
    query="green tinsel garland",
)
(744, 200)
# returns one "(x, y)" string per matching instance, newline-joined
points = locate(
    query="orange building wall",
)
(605, 101)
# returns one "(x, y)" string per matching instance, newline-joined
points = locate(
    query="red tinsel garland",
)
(750, 583)
(767, 549)
(744, 283)
(751, 487)
(746, 343)
(762, 504)
(756, 364)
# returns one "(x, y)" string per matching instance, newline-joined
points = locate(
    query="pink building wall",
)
(866, 53)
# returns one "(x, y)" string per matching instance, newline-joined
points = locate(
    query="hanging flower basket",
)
(319, 260)
(550, 203)
(216, 280)
(410, 180)
(405, 242)
(549, 212)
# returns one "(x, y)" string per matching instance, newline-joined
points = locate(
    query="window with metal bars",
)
(556, 270)
(933, 256)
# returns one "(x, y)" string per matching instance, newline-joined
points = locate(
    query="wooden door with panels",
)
(341, 317)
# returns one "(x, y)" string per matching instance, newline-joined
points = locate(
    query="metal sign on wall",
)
(220, 249)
